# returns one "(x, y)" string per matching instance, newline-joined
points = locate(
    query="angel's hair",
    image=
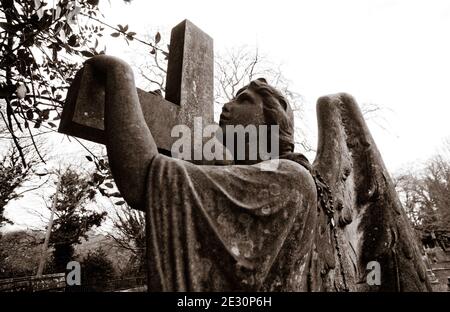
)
(277, 111)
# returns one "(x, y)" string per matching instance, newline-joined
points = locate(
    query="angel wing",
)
(371, 224)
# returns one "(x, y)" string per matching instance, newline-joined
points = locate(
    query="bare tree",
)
(237, 67)
(129, 233)
(376, 113)
(14, 174)
(154, 69)
(233, 70)
(425, 195)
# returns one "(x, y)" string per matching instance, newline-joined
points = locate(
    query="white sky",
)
(392, 53)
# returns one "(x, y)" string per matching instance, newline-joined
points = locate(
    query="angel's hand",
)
(103, 64)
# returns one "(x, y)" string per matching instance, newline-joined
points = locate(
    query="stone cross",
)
(189, 92)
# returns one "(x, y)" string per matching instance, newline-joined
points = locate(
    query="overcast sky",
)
(392, 53)
(395, 54)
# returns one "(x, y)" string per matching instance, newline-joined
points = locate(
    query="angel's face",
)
(246, 109)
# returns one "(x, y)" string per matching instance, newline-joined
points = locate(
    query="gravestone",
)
(189, 92)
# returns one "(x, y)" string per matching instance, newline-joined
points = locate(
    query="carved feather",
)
(372, 225)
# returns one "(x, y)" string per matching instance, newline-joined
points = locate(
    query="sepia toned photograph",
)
(245, 147)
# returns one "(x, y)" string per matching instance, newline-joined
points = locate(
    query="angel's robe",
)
(219, 228)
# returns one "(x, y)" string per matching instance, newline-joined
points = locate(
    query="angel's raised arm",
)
(129, 143)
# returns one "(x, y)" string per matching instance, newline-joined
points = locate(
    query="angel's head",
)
(257, 104)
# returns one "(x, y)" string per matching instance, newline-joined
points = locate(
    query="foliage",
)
(74, 219)
(18, 252)
(42, 46)
(97, 270)
(128, 233)
(121, 258)
(14, 174)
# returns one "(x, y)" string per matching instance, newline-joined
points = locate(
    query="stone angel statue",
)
(334, 225)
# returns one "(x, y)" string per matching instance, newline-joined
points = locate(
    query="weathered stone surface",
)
(229, 228)
(83, 114)
(239, 227)
(372, 223)
(190, 73)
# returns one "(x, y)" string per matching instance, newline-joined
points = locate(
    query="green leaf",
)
(115, 35)
(157, 37)
(89, 158)
(120, 202)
